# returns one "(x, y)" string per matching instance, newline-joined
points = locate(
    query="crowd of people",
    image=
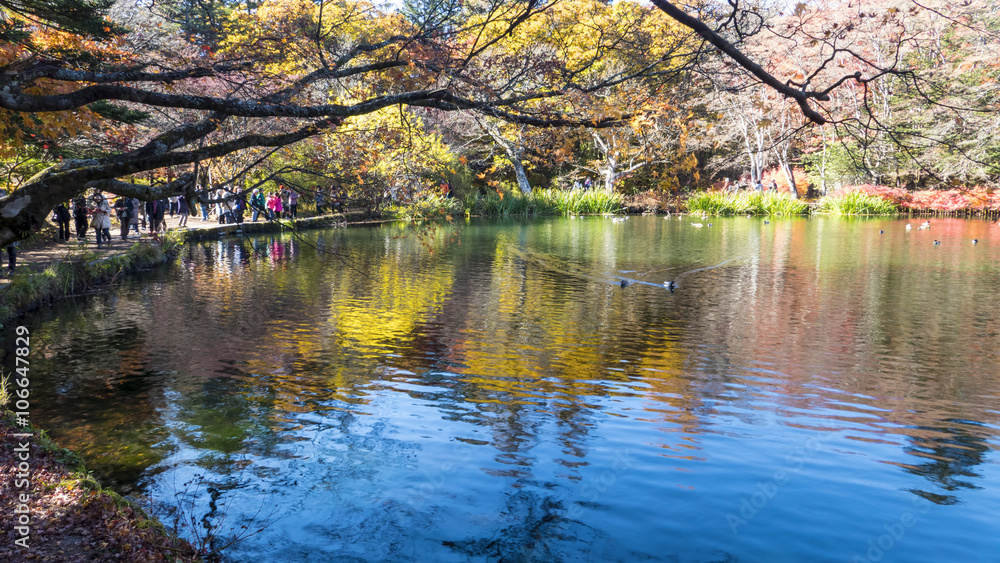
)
(98, 213)
(756, 185)
(133, 216)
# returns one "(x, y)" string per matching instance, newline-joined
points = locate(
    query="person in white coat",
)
(100, 212)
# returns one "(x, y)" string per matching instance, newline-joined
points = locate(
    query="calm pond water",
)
(812, 391)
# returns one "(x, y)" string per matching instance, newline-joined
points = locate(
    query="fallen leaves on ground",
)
(71, 518)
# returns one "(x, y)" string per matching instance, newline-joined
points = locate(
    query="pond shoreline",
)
(182, 392)
(82, 519)
(81, 269)
(62, 270)
(63, 513)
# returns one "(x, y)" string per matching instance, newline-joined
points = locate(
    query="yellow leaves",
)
(480, 175)
(284, 32)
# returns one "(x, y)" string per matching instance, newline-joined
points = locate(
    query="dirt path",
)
(42, 255)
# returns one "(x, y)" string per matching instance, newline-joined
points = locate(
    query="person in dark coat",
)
(80, 217)
(150, 213)
(183, 210)
(239, 207)
(123, 209)
(12, 255)
(159, 213)
(62, 220)
(257, 204)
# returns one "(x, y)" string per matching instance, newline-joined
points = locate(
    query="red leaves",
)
(948, 201)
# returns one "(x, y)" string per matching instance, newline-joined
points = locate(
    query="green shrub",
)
(432, 205)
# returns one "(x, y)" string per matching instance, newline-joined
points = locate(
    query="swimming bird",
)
(925, 224)
(975, 241)
(908, 226)
(669, 284)
(696, 224)
(881, 232)
(937, 242)
(767, 222)
(625, 283)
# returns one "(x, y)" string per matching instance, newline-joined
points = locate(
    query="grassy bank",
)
(855, 202)
(745, 203)
(509, 204)
(80, 271)
(883, 200)
(67, 514)
(851, 200)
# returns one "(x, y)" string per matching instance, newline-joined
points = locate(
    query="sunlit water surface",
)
(812, 391)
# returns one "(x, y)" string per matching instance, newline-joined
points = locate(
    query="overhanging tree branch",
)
(801, 96)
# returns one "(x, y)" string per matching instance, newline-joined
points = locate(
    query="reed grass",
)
(745, 203)
(544, 202)
(857, 203)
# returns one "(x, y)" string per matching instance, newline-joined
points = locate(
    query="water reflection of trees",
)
(952, 452)
(522, 329)
(883, 333)
(92, 377)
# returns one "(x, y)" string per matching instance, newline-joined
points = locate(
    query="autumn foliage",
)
(955, 200)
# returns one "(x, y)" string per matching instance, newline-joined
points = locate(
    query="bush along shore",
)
(79, 271)
(55, 511)
(852, 200)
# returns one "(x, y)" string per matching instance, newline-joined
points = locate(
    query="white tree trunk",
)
(519, 172)
(514, 153)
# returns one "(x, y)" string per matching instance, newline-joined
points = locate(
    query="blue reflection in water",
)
(812, 390)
